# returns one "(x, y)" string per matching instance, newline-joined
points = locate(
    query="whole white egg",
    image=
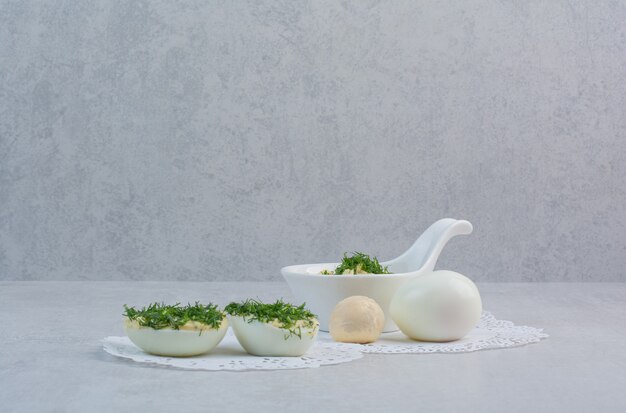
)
(437, 306)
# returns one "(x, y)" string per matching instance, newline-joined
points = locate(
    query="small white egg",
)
(437, 306)
(266, 339)
(190, 340)
(356, 319)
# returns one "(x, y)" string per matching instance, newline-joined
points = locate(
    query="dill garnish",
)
(285, 314)
(159, 315)
(359, 263)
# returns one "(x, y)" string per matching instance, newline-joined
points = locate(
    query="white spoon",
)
(424, 253)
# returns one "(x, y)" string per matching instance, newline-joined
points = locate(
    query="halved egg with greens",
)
(175, 330)
(273, 330)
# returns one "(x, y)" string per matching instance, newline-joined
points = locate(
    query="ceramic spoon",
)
(424, 253)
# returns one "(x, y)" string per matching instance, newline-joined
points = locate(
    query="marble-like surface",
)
(51, 359)
(220, 140)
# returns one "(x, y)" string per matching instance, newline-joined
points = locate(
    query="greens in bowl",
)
(358, 263)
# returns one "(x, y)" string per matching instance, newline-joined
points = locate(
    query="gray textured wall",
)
(197, 140)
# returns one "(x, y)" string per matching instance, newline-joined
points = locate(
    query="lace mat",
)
(490, 333)
(229, 355)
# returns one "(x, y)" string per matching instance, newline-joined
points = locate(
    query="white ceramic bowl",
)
(321, 293)
(263, 339)
(176, 343)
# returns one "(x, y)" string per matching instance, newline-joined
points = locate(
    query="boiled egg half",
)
(191, 339)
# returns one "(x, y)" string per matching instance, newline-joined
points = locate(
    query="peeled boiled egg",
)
(356, 319)
(270, 340)
(191, 339)
(437, 306)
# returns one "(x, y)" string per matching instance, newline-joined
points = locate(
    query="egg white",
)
(266, 339)
(189, 340)
(438, 306)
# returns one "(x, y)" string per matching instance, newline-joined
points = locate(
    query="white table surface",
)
(51, 358)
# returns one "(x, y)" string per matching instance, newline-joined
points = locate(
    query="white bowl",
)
(176, 343)
(264, 339)
(321, 293)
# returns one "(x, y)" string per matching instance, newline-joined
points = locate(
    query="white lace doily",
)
(229, 355)
(490, 333)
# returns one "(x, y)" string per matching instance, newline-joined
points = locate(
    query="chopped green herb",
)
(360, 263)
(159, 316)
(287, 315)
